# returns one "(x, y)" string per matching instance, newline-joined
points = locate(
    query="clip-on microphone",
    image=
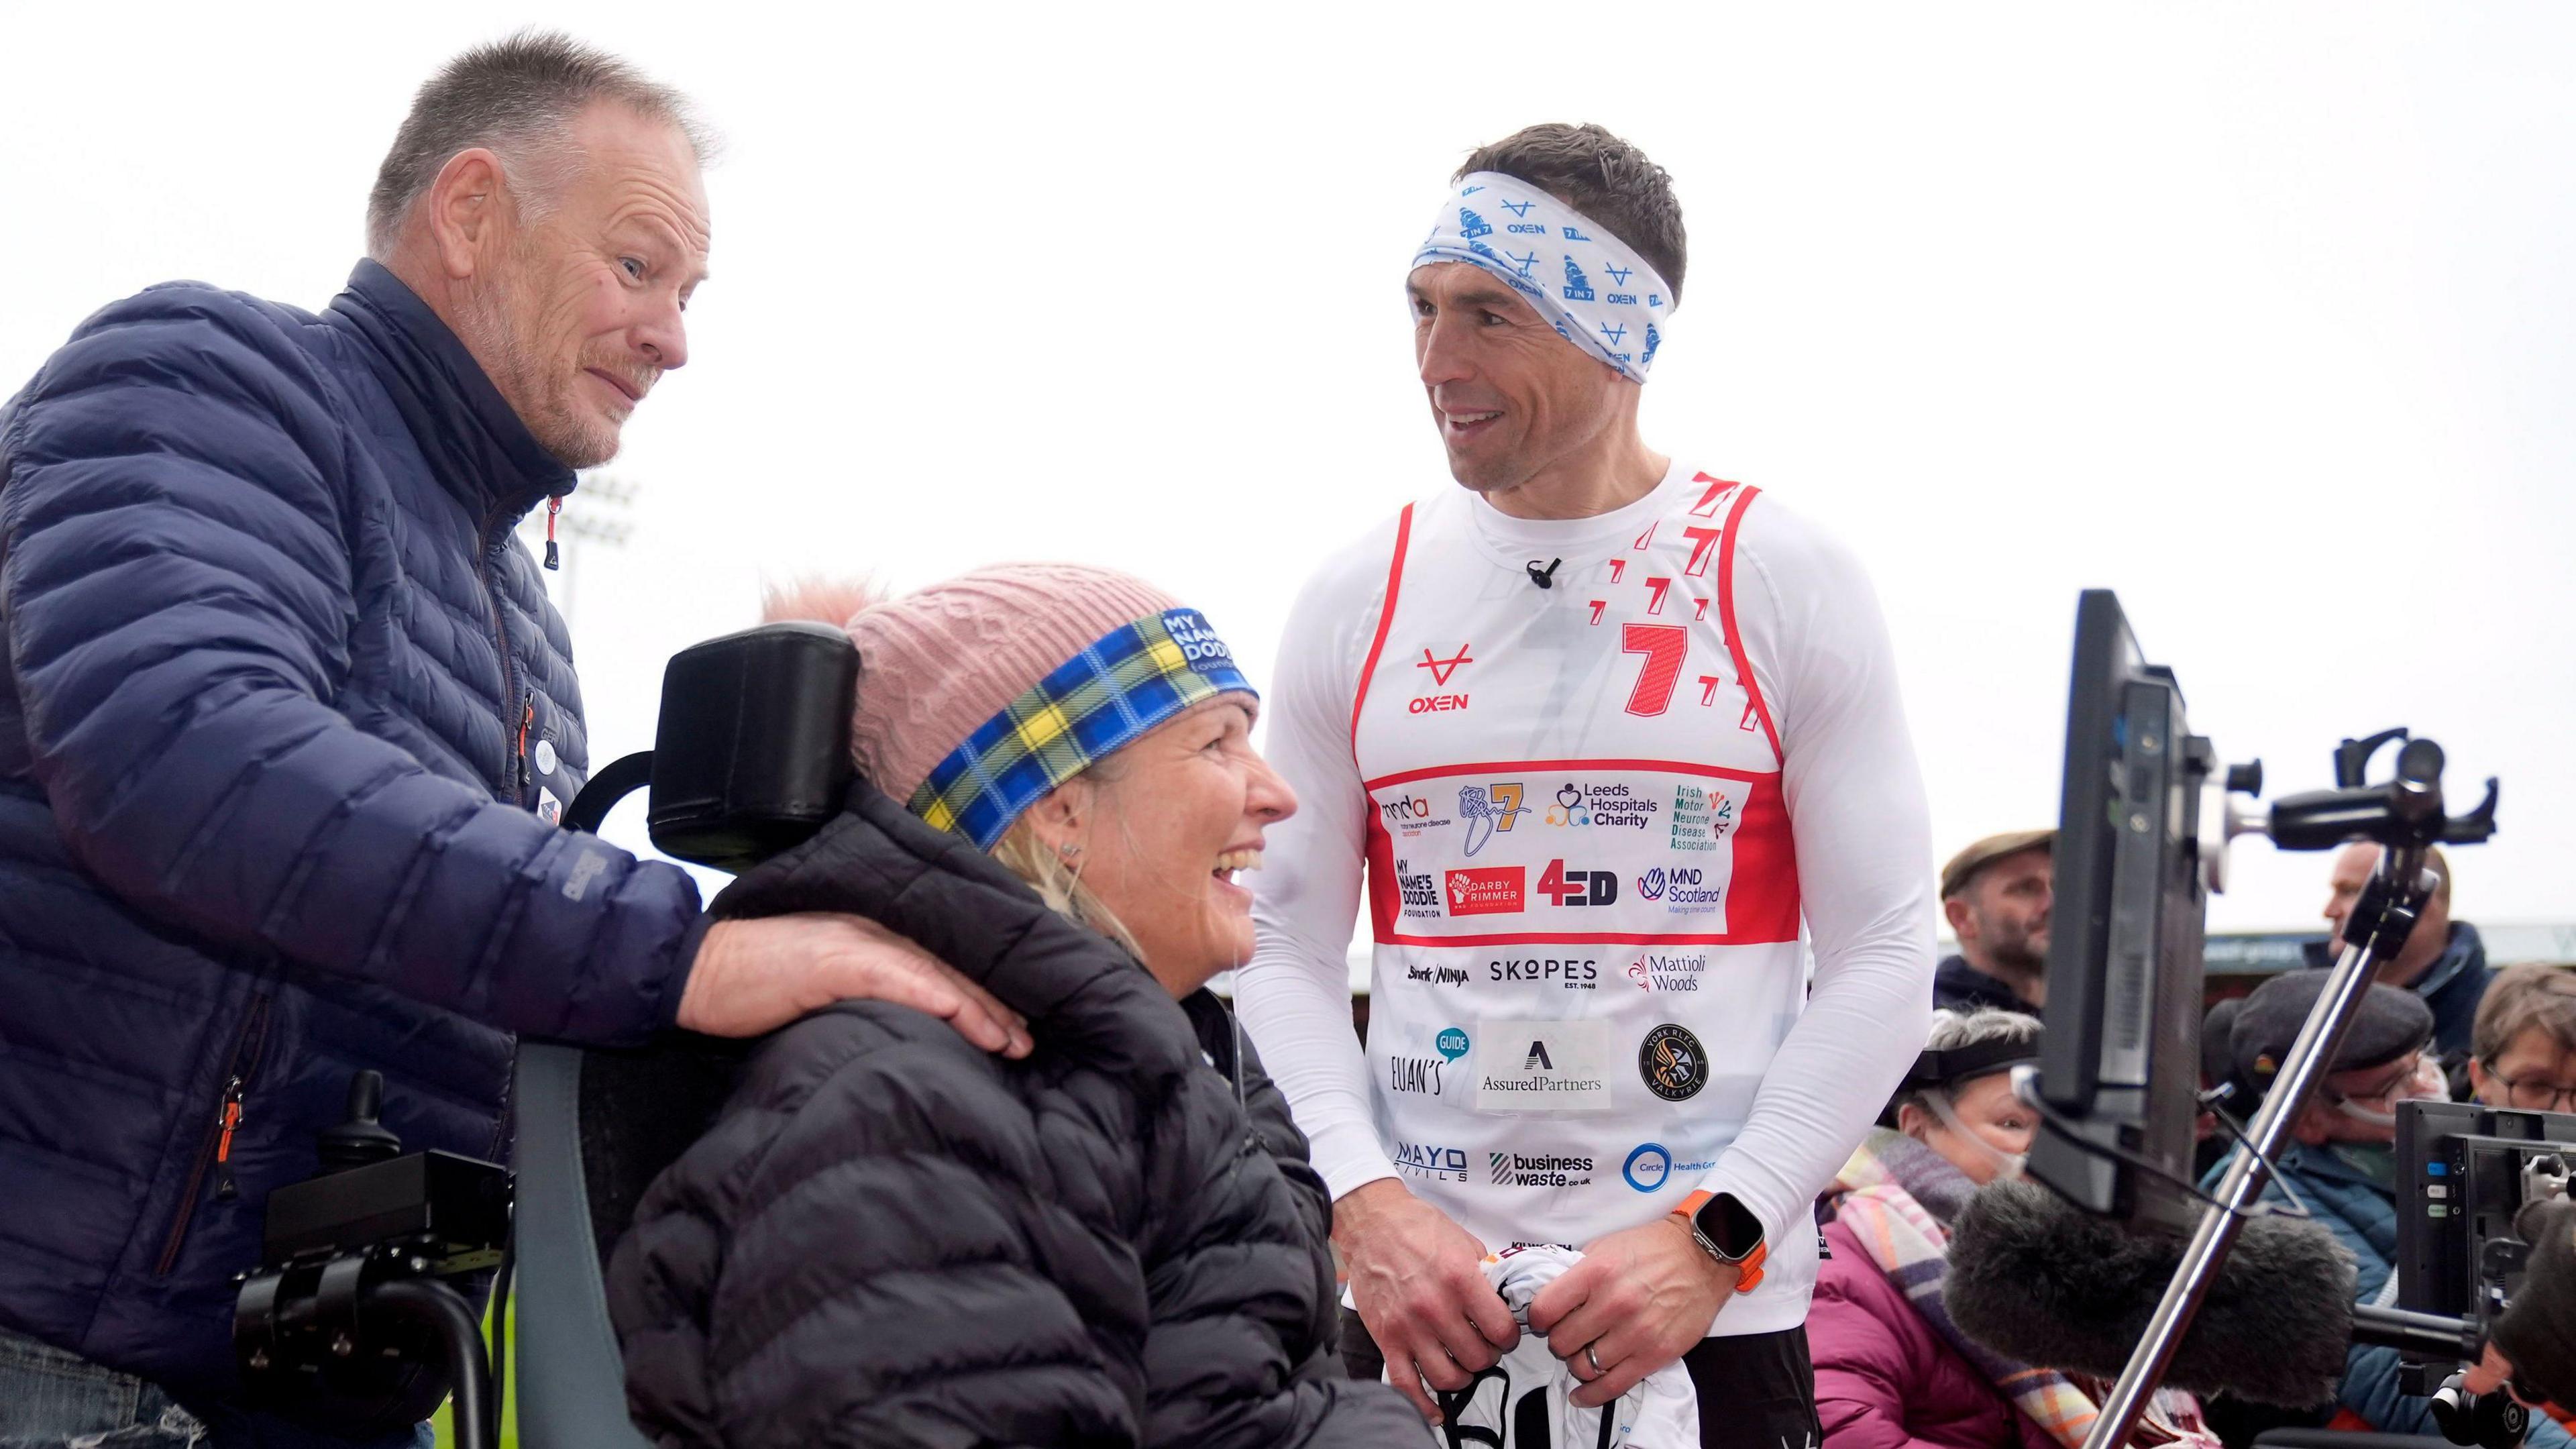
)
(1545, 578)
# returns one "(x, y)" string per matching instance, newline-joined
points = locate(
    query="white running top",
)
(1590, 817)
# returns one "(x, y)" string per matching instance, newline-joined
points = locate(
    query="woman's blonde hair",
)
(1058, 881)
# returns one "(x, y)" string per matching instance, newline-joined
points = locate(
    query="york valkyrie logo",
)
(1672, 1063)
(1541, 1169)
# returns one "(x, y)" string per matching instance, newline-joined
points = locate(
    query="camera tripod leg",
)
(445, 1309)
(2399, 893)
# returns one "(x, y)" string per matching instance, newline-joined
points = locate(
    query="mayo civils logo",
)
(1432, 1164)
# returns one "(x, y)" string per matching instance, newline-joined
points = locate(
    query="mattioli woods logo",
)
(1441, 669)
(1499, 890)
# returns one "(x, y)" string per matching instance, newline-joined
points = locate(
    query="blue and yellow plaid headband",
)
(1133, 678)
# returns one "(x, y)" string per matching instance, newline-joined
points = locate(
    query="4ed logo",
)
(1578, 887)
(1494, 807)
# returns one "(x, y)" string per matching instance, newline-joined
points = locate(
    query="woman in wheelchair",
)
(890, 1237)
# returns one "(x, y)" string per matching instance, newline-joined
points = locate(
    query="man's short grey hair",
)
(516, 98)
(1952, 1030)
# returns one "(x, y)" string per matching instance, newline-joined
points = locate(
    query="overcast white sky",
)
(2259, 315)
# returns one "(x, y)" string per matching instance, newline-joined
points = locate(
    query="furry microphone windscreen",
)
(2041, 1282)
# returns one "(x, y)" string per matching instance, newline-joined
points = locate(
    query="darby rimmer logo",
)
(1494, 890)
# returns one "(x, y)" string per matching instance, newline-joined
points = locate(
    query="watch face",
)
(1729, 1225)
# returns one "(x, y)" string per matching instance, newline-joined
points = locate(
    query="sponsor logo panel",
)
(1542, 1066)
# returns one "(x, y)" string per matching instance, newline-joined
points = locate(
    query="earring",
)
(1068, 850)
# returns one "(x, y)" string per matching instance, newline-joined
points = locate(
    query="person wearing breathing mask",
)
(2342, 1166)
(1892, 1370)
(893, 1237)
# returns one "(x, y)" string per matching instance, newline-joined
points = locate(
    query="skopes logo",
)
(1682, 890)
(1488, 809)
(1672, 1064)
(1419, 889)
(1414, 1076)
(1650, 1165)
(1436, 975)
(1603, 807)
(1570, 973)
(1492, 890)
(1668, 971)
(1701, 818)
(1431, 1164)
(1578, 887)
(1538, 1169)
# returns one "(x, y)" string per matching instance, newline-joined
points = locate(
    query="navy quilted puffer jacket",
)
(282, 696)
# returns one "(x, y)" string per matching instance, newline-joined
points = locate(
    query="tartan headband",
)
(1128, 681)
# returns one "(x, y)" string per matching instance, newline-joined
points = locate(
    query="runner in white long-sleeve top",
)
(1596, 731)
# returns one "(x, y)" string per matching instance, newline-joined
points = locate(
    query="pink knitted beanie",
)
(938, 663)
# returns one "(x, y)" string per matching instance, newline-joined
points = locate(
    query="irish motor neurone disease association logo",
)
(1671, 1063)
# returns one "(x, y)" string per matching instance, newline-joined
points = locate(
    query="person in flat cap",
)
(1996, 896)
(2342, 1165)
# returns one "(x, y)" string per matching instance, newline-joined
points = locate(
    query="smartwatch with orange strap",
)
(1727, 1230)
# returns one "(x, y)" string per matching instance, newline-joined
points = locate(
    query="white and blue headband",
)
(1601, 295)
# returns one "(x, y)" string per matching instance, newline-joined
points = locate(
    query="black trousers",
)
(1756, 1390)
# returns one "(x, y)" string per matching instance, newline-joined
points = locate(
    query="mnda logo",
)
(1405, 810)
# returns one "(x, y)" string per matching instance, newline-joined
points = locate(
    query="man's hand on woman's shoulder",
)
(756, 975)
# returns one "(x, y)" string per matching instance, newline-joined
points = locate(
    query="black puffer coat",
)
(891, 1237)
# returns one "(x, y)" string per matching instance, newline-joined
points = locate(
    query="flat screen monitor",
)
(2120, 1066)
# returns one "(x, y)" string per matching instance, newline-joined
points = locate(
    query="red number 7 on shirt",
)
(1667, 648)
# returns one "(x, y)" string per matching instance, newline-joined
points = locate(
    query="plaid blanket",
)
(1897, 1197)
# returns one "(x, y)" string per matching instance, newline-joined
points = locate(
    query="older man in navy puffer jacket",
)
(286, 718)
